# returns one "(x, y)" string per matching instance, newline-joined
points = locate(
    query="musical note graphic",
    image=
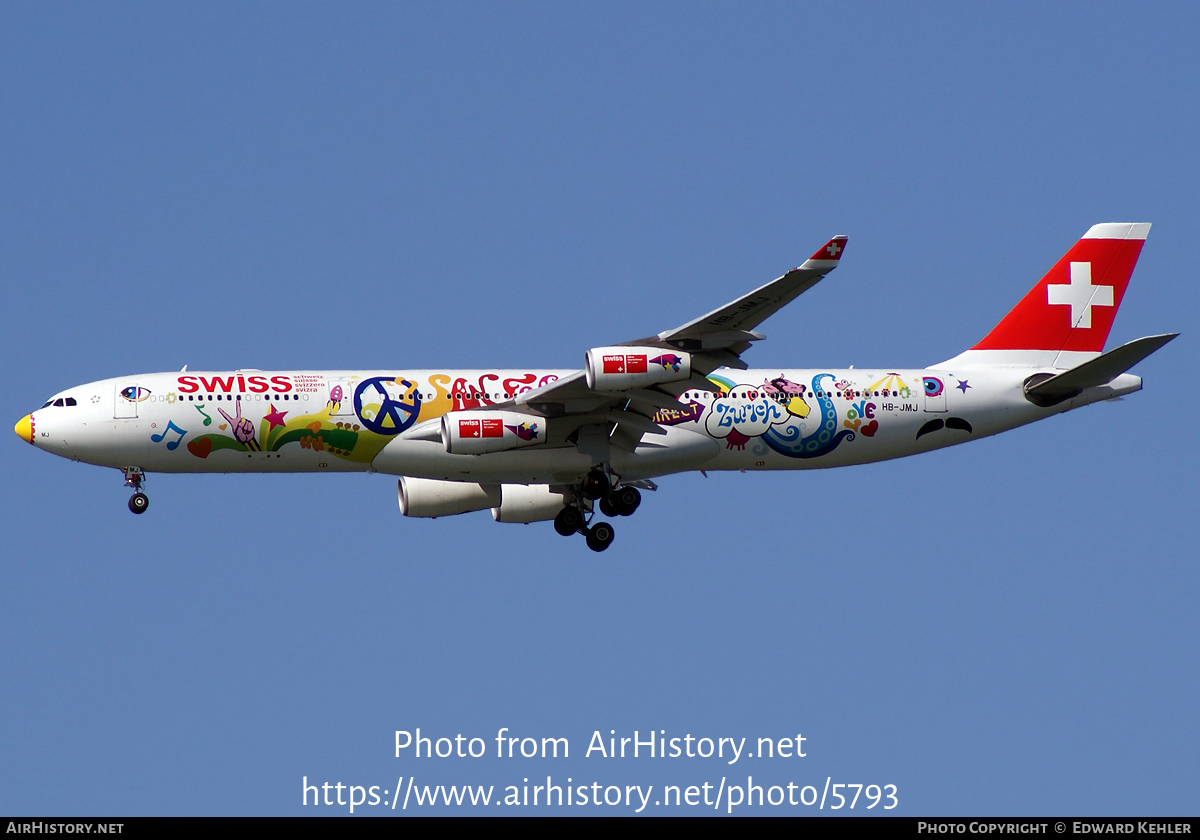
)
(171, 427)
(207, 419)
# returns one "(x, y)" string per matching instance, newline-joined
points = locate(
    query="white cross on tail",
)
(1080, 295)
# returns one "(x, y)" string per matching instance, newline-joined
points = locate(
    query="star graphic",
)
(962, 385)
(275, 416)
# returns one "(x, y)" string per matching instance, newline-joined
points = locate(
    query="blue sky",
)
(1007, 627)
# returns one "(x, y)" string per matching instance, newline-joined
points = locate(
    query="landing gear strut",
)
(134, 477)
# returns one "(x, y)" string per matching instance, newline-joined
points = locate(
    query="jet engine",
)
(622, 368)
(477, 432)
(426, 497)
(529, 503)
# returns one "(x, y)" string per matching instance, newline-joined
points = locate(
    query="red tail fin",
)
(1072, 308)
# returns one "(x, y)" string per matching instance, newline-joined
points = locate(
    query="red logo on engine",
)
(481, 428)
(625, 364)
(614, 364)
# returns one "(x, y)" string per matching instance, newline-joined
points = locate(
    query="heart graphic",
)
(870, 429)
(200, 447)
(222, 427)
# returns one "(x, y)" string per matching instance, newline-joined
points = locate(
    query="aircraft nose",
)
(24, 428)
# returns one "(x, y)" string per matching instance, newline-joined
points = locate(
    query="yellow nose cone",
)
(24, 428)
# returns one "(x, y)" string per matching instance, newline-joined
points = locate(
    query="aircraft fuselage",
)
(540, 445)
(355, 421)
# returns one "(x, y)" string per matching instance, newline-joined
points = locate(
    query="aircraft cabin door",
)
(125, 400)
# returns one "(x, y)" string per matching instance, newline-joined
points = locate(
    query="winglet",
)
(827, 256)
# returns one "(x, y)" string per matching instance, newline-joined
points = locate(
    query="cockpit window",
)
(48, 403)
(71, 401)
(58, 402)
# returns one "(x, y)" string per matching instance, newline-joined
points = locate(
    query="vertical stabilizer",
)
(1065, 319)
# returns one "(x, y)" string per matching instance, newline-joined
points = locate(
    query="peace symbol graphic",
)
(394, 415)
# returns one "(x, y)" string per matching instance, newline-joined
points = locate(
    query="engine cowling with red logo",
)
(480, 432)
(622, 368)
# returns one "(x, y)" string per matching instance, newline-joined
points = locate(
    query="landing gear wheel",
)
(600, 536)
(568, 521)
(625, 500)
(608, 507)
(595, 485)
(138, 502)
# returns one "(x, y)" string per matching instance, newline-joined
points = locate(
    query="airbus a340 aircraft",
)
(556, 444)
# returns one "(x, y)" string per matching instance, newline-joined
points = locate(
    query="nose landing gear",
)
(134, 477)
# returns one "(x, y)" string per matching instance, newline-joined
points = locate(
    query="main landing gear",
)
(621, 502)
(600, 536)
(613, 501)
(134, 477)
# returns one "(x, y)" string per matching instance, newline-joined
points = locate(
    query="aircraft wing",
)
(730, 327)
(711, 341)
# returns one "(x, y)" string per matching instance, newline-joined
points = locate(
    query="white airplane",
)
(557, 444)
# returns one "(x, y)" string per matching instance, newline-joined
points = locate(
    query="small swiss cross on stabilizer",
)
(832, 250)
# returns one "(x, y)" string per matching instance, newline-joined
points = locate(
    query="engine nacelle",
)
(478, 432)
(426, 497)
(529, 503)
(622, 368)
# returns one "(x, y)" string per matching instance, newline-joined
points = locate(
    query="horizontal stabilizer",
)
(1046, 390)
